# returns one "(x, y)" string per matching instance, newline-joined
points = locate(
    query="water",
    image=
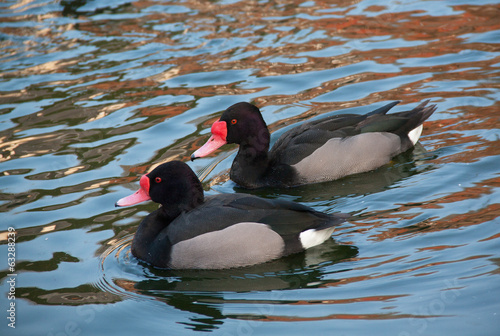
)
(93, 94)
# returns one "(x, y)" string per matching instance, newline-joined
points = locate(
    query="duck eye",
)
(234, 121)
(157, 179)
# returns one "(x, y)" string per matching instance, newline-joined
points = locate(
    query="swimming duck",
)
(316, 151)
(190, 231)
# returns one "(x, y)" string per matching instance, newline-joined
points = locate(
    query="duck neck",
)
(151, 227)
(250, 164)
(185, 201)
(147, 232)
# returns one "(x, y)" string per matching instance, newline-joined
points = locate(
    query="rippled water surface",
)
(95, 93)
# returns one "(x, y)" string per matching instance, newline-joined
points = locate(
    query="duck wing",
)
(218, 212)
(301, 141)
(373, 138)
(400, 123)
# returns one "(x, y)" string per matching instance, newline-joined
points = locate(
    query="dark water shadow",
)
(203, 291)
(291, 272)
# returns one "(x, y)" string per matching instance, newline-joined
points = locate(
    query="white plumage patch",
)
(415, 133)
(312, 237)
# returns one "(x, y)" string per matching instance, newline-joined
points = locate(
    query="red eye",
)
(234, 121)
(157, 179)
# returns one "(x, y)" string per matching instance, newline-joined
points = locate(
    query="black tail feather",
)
(384, 109)
(417, 116)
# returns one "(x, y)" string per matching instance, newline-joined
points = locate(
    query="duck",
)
(191, 231)
(316, 151)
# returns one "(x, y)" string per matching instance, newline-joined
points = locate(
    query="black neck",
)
(148, 231)
(250, 163)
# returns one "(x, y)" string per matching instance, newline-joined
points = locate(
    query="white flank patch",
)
(312, 237)
(415, 133)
